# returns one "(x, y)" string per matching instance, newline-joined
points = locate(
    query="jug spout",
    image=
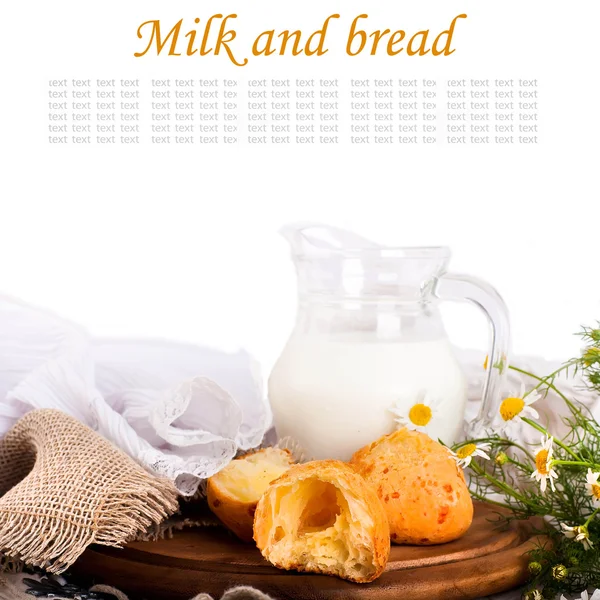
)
(314, 240)
(336, 262)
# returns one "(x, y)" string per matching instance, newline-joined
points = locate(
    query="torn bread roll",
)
(234, 492)
(422, 488)
(322, 517)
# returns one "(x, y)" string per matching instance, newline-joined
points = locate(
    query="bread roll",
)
(322, 517)
(234, 491)
(422, 488)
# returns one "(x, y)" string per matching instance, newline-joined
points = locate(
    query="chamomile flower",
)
(520, 406)
(593, 487)
(544, 471)
(579, 533)
(586, 596)
(590, 356)
(416, 413)
(559, 572)
(464, 455)
(501, 458)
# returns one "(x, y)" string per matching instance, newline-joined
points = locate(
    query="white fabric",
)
(183, 411)
(551, 407)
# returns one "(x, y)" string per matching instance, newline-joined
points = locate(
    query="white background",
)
(182, 242)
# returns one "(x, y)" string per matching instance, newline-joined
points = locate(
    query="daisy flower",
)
(591, 356)
(579, 533)
(501, 458)
(464, 455)
(586, 596)
(511, 408)
(543, 462)
(593, 487)
(417, 413)
(559, 572)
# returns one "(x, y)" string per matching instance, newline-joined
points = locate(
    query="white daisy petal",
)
(480, 452)
(593, 487)
(532, 397)
(568, 532)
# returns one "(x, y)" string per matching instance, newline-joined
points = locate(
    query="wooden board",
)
(487, 560)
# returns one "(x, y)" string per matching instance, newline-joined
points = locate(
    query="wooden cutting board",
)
(488, 559)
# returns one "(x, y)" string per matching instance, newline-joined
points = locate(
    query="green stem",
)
(524, 450)
(521, 466)
(591, 517)
(506, 488)
(485, 499)
(564, 367)
(575, 463)
(556, 440)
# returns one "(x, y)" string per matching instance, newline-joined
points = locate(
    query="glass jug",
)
(369, 352)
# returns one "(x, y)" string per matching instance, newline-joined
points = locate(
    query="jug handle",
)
(462, 288)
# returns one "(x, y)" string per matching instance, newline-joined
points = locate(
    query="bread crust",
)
(236, 514)
(422, 488)
(355, 491)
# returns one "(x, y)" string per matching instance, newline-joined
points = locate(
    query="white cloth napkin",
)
(182, 410)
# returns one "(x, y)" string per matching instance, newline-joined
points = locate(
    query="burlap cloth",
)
(64, 487)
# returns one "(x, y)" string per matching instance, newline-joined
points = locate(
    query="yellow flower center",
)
(466, 451)
(596, 491)
(420, 415)
(511, 407)
(486, 363)
(582, 531)
(541, 462)
(590, 356)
